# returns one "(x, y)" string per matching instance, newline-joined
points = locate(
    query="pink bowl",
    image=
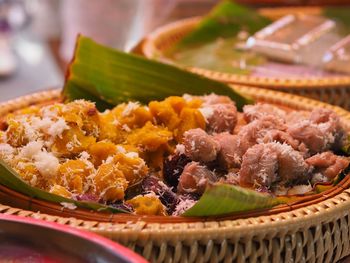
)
(31, 240)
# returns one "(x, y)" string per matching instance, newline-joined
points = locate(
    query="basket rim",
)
(325, 210)
(150, 50)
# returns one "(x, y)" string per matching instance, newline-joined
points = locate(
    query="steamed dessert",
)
(158, 159)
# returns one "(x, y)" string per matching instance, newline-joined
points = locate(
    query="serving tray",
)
(31, 240)
(316, 230)
(334, 90)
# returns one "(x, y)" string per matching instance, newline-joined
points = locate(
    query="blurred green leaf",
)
(226, 20)
(339, 14)
(346, 147)
(223, 199)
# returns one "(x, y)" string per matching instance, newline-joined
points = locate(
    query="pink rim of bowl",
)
(94, 238)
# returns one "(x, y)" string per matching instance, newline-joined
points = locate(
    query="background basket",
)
(312, 232)
(334, 90)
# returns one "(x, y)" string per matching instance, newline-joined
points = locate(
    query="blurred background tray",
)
(334, 90)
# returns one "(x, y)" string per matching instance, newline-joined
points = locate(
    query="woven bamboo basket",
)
(317, 229)
(334, 90)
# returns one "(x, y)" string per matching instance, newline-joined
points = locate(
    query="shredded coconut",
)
(34, 180)
(21, 165)
(187, 97)
(207, 112)
(183, 206)
(70, 146)
(76, 142)
(126, 128)
(299, 189)
(109, 159)
(6, 149)
(84, 155)
(41, 124)
(57, 128)
(121, 149)
(105, 112)
(70, 206)
(130, 107)
(132, 155)
(319, 178)
(116, 122)
(49, 112)
(261, 109)
(46, 163)
(30, 132)
(151, 194)
(31, 149)
(180, 149)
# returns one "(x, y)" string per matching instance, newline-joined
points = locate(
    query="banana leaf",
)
(341, 176)
(226, 19)
(10, 179)
(109, 77)
(339, 14)
(346, 147)
(320, 188)
(223, 199)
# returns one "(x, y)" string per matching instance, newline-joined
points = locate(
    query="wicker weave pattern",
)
(315, 233)
(332, 90)
(309, 239)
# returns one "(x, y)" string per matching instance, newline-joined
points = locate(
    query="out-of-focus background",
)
(37, 36)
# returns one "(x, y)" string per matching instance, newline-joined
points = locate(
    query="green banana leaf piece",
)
(10, 179)
(109, 77)
(340, 15)
(341, 176)
(226, 19)
(346, 147)
(223, 199)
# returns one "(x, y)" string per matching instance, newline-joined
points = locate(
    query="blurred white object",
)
(7, 58)
(23, 53)
(45, 18)
(116, 23)
(296, 39)
(13, 18)
(30, 51)
(338, 56)
(13, 15)
(36, 69)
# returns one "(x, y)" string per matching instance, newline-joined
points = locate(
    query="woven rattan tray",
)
(317, 230)
(334, 90)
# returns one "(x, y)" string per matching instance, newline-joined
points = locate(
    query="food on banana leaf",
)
(161, 158)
